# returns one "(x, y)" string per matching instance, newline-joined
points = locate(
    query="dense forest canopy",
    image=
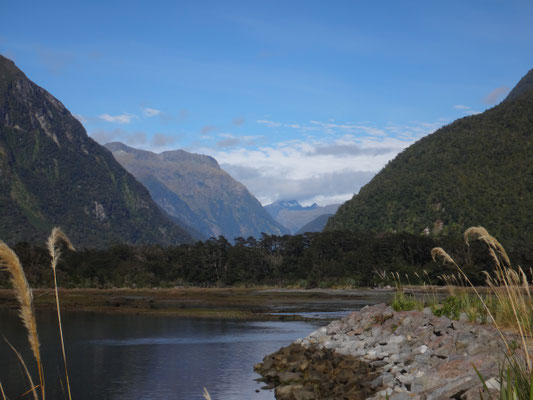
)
(309, 260)
(476, 171)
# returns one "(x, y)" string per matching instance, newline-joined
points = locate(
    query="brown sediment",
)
(299, 372)
(231, 303)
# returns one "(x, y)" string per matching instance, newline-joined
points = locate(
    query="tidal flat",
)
(231, 303)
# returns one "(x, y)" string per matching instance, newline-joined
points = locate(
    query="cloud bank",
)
(328, 169)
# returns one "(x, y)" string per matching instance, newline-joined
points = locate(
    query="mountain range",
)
(53, 174)
(194, 189)
(477, 170)
(294, 216)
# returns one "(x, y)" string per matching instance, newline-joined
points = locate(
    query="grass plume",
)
(54, 240)
(10, 262)
(509, 304)
(440, 252)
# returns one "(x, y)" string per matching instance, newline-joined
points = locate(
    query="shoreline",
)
(230, 303)
(406, 355)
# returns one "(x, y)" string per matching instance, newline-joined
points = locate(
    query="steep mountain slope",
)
(193, 188)
(52, 173)
(294, 216)
(316, 225)
(476, 171)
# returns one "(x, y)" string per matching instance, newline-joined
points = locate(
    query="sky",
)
(298, 100)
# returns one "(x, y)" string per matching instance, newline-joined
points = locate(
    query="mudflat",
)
(240, 303)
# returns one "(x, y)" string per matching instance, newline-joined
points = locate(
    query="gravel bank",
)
(377, 352)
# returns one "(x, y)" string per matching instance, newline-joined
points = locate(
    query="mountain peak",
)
(54, 174)
(193, 188)
(524, 85)
(8, 68)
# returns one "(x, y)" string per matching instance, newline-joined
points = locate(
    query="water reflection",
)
(141, 357)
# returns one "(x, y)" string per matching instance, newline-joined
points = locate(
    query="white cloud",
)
(230, 140)
(329, 127)
(119, 135)
(151, 112)
(327, 170)
(271, 124)
(494, 96)
(461, 107)
(124, 118)
(80, 118)
(207, 129)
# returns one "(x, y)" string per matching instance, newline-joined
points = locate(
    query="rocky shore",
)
(377, 353)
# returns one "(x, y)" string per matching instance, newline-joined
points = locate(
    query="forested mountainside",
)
(477, 170)
(53, 174)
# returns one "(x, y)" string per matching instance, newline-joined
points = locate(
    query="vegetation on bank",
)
(329, 259)
(507, 304)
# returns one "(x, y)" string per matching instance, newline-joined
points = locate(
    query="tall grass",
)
(53, 243)
(10, 262)
(509, 306)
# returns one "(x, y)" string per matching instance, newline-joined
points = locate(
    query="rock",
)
(288, 377)
(286, 392)
(302, 394)
(378, 352)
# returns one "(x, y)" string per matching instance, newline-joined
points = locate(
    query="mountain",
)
(316, 225)
(193, 188)
(294, 216)
(477, 170)
(52, 173)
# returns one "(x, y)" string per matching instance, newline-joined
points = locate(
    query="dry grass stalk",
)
(10, 262)
(509, 289)
(33, 389)
(496, 250)
(53, 242)
(439, 252)
(206, 394)
(2, 392)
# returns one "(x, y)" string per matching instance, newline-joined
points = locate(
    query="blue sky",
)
(298, 100)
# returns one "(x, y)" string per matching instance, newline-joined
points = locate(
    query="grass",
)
(11, 263)
(508, 305)
(506, 302)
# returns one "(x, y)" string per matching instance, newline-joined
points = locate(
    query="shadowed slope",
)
(476, 171)
(52, 173)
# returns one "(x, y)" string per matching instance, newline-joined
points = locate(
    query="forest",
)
(328, 259)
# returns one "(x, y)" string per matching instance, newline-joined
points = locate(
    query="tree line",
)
(310, 260)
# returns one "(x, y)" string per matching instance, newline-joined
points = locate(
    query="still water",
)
(148, 357)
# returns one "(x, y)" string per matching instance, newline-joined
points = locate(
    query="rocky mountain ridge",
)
(53, 174)
(194, 189)
(294, 216)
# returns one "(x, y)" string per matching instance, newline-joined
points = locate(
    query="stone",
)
(285, 392)
(302, 394)
(378, 352)
(422, 349)
(463, 317)
(288, 377)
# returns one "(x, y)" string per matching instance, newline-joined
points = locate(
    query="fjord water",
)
(124, 356)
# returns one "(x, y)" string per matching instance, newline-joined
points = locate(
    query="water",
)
(148, 357)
